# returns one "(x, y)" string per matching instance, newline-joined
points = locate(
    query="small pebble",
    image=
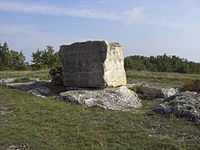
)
(2, 113)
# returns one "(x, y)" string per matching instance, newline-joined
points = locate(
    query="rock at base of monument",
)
(92, 64)
(119, 98)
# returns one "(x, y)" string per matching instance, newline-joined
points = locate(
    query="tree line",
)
(14, 60)
(161, 63)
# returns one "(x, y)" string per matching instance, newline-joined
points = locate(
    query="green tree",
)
(4, 57)
(11, 60)
(161, 63)
(45, 59)
(37, 60)
(17, 61)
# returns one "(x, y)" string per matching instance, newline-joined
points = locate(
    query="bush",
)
(136, 88)
(56, 74)
(22, 80)
(193, 86)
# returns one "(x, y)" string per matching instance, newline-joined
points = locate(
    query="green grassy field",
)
(52, 124)
(42, 74)
(160, 79)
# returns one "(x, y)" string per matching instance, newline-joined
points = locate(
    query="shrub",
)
(136, 88)
(22, 80)
(56, 74)
(192, 85)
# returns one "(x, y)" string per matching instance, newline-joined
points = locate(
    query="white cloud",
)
(52, 10)
(133, 14)
(164, 22)
(128, 17)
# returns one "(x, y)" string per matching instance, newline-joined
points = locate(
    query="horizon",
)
(142, 27)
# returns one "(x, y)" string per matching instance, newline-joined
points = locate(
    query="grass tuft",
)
(193, 86)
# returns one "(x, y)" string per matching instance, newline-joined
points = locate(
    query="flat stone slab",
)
(119, 98)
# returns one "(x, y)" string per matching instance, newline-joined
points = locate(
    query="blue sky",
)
(144, 27)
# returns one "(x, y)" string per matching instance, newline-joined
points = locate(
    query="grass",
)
(52, 124)
(161, 79)
(41, 74)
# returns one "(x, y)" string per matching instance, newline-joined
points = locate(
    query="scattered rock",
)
(34, 79)
(164, 108)
(7, 80)
(2, 113)
(119, 98)
(39, 88)
(10, 80)
(12, 147)
(151, 92)
(40, 91)
(182, 104)
(16, 147)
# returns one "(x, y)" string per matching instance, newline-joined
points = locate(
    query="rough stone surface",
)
(2, 113)
(9, 80)
(151, 92)
(39, 88)
(118, 98)
(182, 104)
(93, 64)
(17, 147)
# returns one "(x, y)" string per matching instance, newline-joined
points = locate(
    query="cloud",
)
(52, 10)
(164, 22)
(31, 8)
(133, 14)
(127, 17)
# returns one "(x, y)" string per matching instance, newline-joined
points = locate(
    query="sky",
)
(143, 27)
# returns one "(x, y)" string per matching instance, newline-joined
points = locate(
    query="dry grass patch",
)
(42, 74)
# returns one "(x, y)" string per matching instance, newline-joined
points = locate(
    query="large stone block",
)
(93, 64)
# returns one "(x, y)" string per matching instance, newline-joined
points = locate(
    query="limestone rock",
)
(11, 80)
(151, 92)
(39, 88)
(17, 147)
(118, 98)
(93, 64)
(2, 113)
(7, 80)
(182, 104)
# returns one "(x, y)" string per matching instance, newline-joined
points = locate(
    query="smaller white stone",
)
(2, 113)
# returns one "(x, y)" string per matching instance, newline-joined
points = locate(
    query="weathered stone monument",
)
(96, 64)
(93, 64)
